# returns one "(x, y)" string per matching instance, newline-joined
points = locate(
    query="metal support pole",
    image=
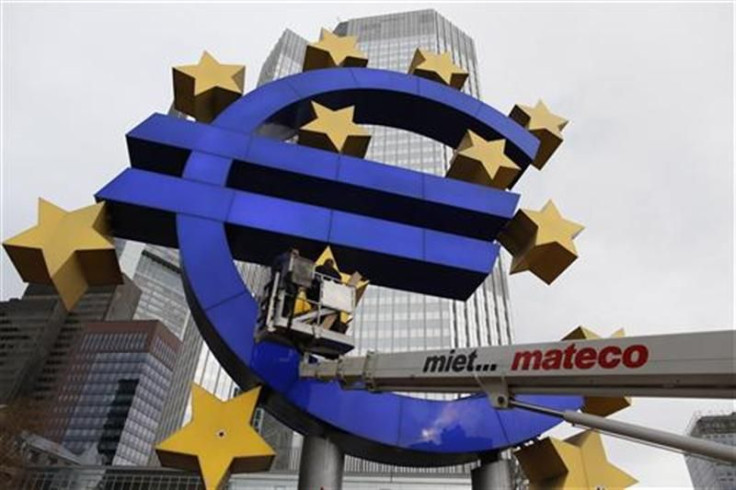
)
(492, 474)
(692, 445)
(321, 465)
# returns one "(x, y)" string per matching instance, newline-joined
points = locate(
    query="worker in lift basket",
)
(329, 269)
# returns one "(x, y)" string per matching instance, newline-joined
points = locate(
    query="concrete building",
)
(706, 473)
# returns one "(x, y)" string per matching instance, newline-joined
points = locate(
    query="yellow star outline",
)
(541, 242)
(599, 405)
(335, 131)
(207, 88)
(579, 462)
(218, 440)
(69, 250)
(332, 51)
(437, 67)
(543, 124)
(482, 162)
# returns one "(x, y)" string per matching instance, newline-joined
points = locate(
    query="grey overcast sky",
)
(647, 164)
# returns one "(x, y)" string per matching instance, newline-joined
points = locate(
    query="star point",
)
(333, 51)
(219, 439)
(438, 68)
(335, 131)
(599, 405)
(69, 250)
(207, 88)
(541, 242)
(483, 162)
(543, 124)
(578, 462)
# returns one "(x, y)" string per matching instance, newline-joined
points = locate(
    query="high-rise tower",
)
(389, 320)
(394, 320)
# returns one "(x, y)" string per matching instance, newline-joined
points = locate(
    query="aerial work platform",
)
(694, 365)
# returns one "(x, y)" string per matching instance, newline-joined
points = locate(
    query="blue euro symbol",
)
(234, 190)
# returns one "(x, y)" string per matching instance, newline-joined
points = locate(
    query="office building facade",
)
(706, 473)
(37, 334)
(389, 320)
(114, 389)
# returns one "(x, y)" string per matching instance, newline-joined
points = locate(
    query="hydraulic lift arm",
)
(694, 365)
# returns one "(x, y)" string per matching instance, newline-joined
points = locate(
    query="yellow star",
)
(482, 162)
(599, 405)
(541, 242)
(334, 131)
(578, 462)
(218, 440)
(69, 250)
(332, 51)
(207, 88)
(547, 127)
(437, 67)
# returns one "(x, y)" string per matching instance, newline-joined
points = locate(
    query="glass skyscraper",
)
(706, 473)
(114, 390)
(389, 320)
(37, 335)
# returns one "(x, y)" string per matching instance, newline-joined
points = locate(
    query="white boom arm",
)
(698, 365)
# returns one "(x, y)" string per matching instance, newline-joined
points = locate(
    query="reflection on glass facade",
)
(706, 473)
(114, 389)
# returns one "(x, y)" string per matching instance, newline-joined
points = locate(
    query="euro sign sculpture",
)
(233, 189)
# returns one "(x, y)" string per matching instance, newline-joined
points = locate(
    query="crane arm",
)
(700, 365)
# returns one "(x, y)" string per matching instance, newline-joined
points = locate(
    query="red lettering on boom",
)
(609, 357)
(642, 355)
(606, 361)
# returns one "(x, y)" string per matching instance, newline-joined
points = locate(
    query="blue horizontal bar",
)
(266, 166)
(260, 227)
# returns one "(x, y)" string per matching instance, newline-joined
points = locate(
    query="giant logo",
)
(234, 189)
